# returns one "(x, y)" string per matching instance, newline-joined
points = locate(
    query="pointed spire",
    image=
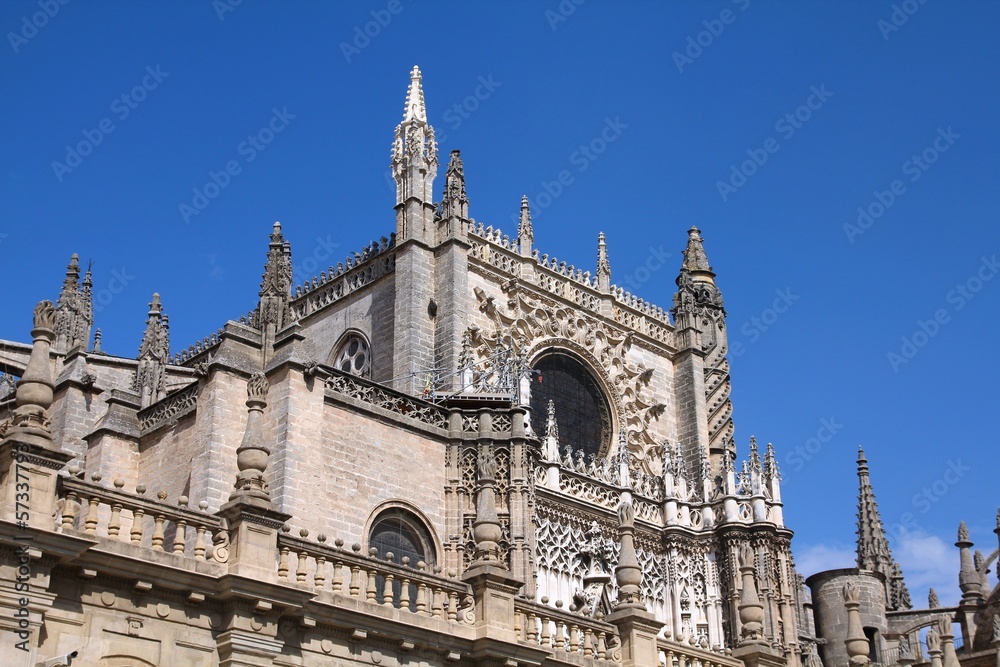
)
(696, 281)
(603, 265)
(415, 107)
(414, 164)
(873, 546)
(74, 309)
(755, 466)
(695, 259)
(525, 232)
(933, 602)
(455, 202)
(96, 349)
(273, 313)
(771, 464)
(154, 352)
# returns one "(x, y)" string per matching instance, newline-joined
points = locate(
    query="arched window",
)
(353, 355)
(403, 534)
(582, 411)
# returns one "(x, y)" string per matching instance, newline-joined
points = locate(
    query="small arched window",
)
(353, 355)
(403, 534)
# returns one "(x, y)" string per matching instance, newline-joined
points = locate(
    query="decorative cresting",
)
(487, 531)
(873, 545)
(34, 391)
(75, 309)
(855, 642)
(529, 324)
(149, 381)
(275, 286)
(252, 454)
(455, 203)
(628, 573)
(751, 610)
(698, 306)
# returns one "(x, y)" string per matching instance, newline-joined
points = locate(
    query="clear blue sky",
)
(683, 93)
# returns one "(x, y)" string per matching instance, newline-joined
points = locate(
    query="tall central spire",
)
(873, 545)
(415, 107)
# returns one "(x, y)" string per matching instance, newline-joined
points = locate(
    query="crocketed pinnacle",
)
(873, 546)
(695, 259)
(603, 265)
(524, 228)
(415, 107)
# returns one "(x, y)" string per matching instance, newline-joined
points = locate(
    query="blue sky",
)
(839, 157)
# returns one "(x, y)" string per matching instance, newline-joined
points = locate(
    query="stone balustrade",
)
(559, 630)
(95, 509)
(410, 587)
(674, 654)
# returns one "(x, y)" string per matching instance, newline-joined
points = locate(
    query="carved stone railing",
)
(376, 395)
(562, 631)
(674, 654)
(409, 587)
(172, 407)
(362, 268)
(97, 510)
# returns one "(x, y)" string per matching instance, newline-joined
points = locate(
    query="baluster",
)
(370, 589)
(338, 568)
(560, 634)
(300, 571)
(115, 523)
(90, 523)
(136, 532)
(602, 646)
(422, 599)
(199, 543)
(158, 531)
(69, 510)
(283, 563)
(387, 590)
(532, 628)
(320, 578)
(452, 606)
(588, 643)
(546, 638)
(437, 604)
(574, 638)
(355, 586)
(404, 589)
(180, 536)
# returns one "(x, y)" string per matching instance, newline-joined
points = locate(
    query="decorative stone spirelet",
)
(252, 455)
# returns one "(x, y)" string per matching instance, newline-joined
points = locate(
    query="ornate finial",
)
(771, 463)
(455, 202)
(486, 530)
(603, 265)
(852, 594)
(856, 642)
(933, 602)
(97, 343)
(253, 453)
(695, 258)
(415, 108)
(525, 232)
(154, 352)
(551, 425)
(34, 392)
(751, 611)
(628, 573)
(754, 456)
(963, 532)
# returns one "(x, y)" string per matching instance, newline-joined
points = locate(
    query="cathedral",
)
(449, 449)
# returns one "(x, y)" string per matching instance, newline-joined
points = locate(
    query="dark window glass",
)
(582, 412)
